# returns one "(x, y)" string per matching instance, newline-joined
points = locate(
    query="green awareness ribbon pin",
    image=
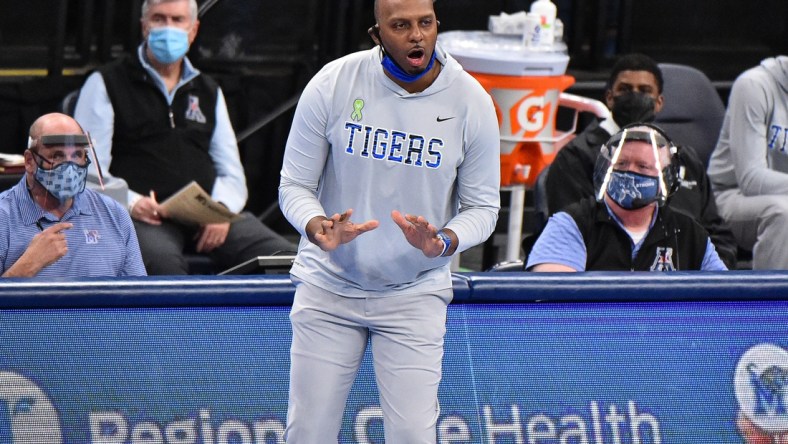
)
(358, 104)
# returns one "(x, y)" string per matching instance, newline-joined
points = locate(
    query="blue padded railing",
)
(196, 291)
(628, 286)
(108, 360)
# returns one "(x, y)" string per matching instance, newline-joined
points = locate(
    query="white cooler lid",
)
(503, 54)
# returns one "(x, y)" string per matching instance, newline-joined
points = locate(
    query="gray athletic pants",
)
(329, 338)
(759, 223)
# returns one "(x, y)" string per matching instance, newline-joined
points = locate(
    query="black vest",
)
(156, 146)
(675, 242)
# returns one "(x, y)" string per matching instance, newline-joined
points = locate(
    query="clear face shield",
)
(636, 167)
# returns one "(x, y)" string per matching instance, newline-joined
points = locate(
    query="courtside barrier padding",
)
(508, 287)
(628, 286)
(626, 358)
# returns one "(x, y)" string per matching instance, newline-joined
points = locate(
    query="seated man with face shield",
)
(634, 93)
(629, 224)
(50, 225)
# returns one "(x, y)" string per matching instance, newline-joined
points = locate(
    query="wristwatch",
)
(446, 242)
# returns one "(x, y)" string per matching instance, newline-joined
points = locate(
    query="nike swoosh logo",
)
(443, 120)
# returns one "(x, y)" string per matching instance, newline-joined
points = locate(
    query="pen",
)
(98, 165)
(40, 227)
(152, 195)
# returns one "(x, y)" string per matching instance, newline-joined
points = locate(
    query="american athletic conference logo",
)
(761, 385)
(27, 416)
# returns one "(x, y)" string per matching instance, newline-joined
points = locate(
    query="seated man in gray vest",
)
(159, 124)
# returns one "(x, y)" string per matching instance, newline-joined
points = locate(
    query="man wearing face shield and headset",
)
(634, 94)
(628, 224)
(50, 225)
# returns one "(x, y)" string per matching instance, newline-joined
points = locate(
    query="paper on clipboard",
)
(192, 205)
(12, 159)
(12, 163)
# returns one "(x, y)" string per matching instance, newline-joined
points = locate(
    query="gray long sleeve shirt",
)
(752, 151)
(360, 141)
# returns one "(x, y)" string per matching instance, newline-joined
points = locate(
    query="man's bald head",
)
(377, 8)
(53, 123)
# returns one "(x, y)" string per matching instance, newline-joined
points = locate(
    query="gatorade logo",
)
(27, 416)
(524, 113)
(529, 115)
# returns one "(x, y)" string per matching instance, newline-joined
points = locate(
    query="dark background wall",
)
(263, 51)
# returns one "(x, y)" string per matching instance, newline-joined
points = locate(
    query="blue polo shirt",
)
(102, 241)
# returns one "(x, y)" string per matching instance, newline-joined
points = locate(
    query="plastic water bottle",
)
(547, 12)
(559, 30)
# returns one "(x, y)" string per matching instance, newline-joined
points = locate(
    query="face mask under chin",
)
(395, 70)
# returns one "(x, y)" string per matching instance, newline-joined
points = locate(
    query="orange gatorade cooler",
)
(525, 84)
(526, 108)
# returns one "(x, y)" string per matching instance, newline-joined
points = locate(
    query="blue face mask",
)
(394, 69)
(63, 181)
(168, 44)
(632, 190)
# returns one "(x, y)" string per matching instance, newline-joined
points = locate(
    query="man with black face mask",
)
(50, 225)
(634, 94)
